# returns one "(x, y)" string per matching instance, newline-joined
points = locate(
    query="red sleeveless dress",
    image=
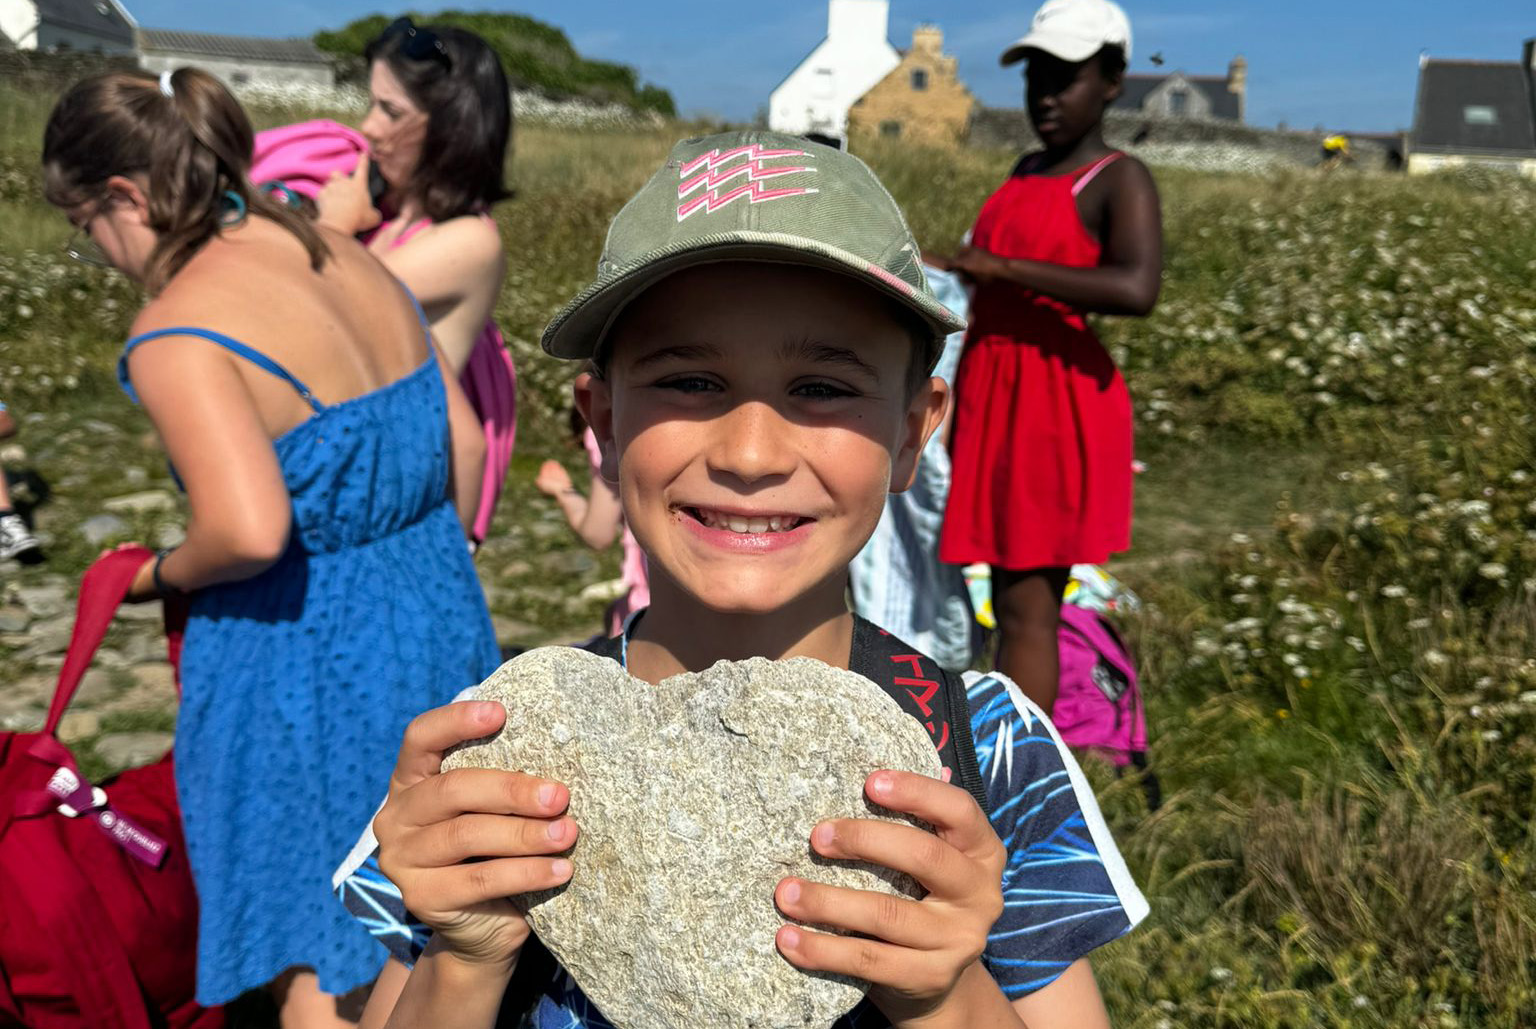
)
(1042, 441)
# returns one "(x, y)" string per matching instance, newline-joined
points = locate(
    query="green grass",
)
(1335, 537)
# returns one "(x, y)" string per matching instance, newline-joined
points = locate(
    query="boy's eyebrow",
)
(679, 352)
(826, 353)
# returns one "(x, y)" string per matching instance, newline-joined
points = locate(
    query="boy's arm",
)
(1129, 274)
(1071, 1002)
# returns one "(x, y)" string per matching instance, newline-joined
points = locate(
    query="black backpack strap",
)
(611, 647)
(933, 696)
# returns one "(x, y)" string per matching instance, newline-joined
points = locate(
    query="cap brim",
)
(1068, 48)
(579, 328)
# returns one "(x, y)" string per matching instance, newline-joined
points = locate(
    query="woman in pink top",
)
(438, 128)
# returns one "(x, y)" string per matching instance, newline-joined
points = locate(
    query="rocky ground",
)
(541, 585)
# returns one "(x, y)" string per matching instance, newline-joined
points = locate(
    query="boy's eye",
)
(821, 389)
(689, 384)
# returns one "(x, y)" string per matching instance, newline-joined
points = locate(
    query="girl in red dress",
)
(1042, 434)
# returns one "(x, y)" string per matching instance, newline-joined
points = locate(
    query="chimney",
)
(928, 39)
(1237, 82)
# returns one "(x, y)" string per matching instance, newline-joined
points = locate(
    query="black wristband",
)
(160, 584)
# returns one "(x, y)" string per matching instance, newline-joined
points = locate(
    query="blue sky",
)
(1343, 64)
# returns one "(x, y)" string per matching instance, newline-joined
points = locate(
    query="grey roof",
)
(1138, 87)
(1448, 88)
(98, 17)
(235, 48)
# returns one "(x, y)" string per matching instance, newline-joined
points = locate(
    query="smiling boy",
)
(760, 337)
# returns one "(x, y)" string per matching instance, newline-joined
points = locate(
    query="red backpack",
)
(98, 917)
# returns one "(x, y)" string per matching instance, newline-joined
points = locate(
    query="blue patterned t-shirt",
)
(1066, 889)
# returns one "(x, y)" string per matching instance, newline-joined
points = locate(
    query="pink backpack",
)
(1098, 704)
(303, 156)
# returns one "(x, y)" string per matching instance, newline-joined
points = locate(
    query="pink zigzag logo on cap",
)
(711, 179)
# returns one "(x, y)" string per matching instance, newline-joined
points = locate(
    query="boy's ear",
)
(594, 399)
(924, 416)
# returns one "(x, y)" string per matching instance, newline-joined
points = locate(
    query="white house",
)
(238, 60)
(855, 55)
(93, 26)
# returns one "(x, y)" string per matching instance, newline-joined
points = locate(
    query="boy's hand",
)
(913, 952)
(458, 844)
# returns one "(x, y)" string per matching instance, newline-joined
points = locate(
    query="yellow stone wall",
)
(939, 115)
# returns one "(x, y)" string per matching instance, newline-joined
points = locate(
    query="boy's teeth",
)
(738, 523)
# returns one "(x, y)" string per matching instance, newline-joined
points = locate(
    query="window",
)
(919, 79)
(1480, 115)
(821, 83)
(890, 129)
(1178, 103)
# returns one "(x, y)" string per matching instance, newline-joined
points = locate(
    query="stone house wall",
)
(921, 101)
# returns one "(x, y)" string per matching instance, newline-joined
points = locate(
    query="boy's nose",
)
(752, 444)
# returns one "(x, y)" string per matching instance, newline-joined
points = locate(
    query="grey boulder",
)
(695, 798)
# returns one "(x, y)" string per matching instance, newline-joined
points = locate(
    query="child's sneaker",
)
(17, 541)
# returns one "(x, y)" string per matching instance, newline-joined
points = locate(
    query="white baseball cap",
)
(1074, 30)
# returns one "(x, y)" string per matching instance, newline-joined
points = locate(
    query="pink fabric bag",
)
(1098, 705)
(303, 156)
(490, 381)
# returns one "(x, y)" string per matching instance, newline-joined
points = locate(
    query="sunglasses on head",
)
(418, 44)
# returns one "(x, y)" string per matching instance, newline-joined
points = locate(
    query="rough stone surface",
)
(146, 502)
(44, 601)
(50, 637)
(101, 528)
(695, 798)
(96, 686)
(132, 749)
(79, 725)
(14, 619)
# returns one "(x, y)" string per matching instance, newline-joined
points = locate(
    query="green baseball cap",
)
(752, 196)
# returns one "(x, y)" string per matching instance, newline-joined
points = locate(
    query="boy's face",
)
(755, 416)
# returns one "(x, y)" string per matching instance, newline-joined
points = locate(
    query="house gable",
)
(1476, 108)
(855, 55)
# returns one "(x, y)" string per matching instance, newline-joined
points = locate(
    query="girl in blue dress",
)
(331, 466)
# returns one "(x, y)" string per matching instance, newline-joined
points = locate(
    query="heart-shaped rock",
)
(695, 798)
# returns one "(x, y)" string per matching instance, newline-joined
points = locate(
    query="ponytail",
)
(187, 136)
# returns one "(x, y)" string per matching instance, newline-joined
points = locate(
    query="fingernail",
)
(560, 868)
(881, 785)
(546, 794)
(484, 710)
(557, 830)
(791, 891)
(823, 834)
(789, 937)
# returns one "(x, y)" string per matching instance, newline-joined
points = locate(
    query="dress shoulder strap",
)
(234, 346)
(1093, 170)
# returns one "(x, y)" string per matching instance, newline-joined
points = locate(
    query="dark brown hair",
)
(188, 149)
(469, 121)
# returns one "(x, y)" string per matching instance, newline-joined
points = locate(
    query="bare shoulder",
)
(471, 236)
(1129, 176)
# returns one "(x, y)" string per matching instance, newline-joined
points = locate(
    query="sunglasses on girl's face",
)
(81, 247)
(419, 44)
